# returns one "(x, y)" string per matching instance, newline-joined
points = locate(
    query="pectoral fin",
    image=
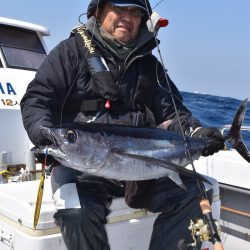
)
(164, 164)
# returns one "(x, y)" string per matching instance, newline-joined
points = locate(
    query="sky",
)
(205, 47)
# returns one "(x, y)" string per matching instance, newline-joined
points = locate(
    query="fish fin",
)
(164, 164)
(234, 136)
(175, 177)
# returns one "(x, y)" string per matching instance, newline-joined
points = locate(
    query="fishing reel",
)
(200, 232)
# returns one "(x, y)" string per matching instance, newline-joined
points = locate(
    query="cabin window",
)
(21, 48)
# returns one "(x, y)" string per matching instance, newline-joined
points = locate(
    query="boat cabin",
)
(22, 51)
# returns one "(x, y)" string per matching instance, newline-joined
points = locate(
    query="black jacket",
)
(65, 79)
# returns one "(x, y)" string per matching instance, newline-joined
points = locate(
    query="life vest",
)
(111, 104)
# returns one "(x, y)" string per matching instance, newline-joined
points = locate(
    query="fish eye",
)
(70, 135)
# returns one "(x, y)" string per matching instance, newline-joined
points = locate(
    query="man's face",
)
(121, 22)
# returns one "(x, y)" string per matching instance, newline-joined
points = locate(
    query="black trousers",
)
(83, 228)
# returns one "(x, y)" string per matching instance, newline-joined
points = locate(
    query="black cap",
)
(142, 4)
(135, 3)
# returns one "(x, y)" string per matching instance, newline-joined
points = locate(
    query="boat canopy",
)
(25, 25)
(21, 44)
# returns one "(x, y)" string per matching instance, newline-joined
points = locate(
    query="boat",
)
(127, 228)
(22, 50)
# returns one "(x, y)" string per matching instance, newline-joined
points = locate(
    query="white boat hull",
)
(128, 229)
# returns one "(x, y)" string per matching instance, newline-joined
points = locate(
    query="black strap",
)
(83, 42)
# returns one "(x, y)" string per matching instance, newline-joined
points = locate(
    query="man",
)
(105, 73)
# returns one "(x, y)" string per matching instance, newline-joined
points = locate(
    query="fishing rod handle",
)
(205, 206)
(218, 246)
(207, 212)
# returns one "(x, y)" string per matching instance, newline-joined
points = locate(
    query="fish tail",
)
(234, 136)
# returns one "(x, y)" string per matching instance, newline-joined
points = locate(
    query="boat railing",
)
(228, 126)
(245, 134)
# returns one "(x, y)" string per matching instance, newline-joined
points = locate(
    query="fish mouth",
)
(47, 132)
(49, 150)
(54, 140)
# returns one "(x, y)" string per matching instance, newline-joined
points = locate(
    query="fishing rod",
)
(157, 4)
(205, 206)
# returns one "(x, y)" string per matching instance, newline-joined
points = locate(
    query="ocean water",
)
(216, 111)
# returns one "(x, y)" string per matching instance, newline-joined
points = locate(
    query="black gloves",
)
(215, 140)
(42, 139)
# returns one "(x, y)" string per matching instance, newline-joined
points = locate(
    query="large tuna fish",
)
(130, 153)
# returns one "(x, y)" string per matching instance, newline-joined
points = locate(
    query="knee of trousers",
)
(70, 206)
(81, 219)
(66, 197)
(212, 189)
(213, 193)
(73, 216)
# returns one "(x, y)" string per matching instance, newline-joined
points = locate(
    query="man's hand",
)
(215, 139)
(42, 139)
(165, 124)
